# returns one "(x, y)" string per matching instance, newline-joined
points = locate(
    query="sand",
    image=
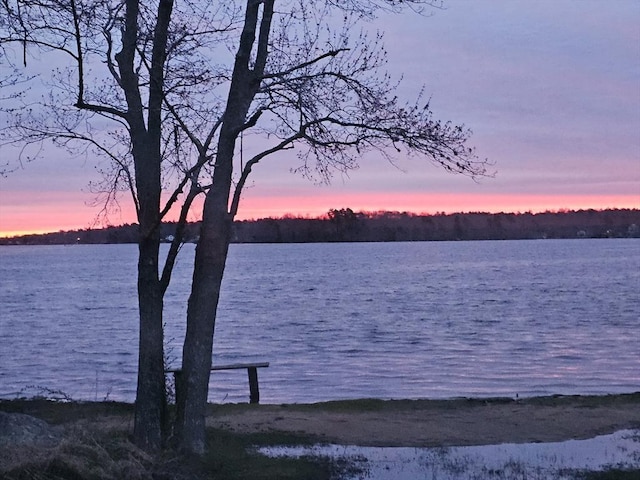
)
(426, 423)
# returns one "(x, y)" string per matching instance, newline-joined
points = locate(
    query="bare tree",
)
(165, 91)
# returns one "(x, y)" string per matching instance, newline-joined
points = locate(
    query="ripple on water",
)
(393, 320)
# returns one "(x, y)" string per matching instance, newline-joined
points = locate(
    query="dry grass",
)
(94, 445)
(84, 452)
(94, 437)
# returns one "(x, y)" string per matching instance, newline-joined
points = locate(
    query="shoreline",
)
(92, 439)
(433, 423)
(388, 423)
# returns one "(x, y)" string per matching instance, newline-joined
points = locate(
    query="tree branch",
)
(170, 261)
(302, 66)
(249, 165)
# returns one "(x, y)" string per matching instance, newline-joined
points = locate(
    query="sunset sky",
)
(550, 88)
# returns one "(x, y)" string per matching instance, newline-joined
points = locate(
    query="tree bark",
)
(209, 264)
(215, 235)
(146, 139)
(211, 256)
(151, 397)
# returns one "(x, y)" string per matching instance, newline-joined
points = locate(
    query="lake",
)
(339, 320)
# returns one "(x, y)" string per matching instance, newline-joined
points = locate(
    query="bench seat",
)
(252, 372)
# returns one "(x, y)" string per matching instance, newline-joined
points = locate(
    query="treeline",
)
(345, 225)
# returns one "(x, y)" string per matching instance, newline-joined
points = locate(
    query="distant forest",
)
(345, 225)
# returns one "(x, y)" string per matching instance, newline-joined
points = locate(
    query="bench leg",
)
(254, 393)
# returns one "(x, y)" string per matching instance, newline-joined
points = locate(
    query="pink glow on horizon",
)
(314, 206)
(68, 212)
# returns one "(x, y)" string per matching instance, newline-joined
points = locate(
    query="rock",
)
(21, 429)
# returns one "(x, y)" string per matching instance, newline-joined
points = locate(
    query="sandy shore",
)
(424, 423)
(91, 440)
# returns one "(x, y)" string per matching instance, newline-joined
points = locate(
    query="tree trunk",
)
(151, 396)
(147, 154)
(209, 264)
(210, 259)
(213, 246)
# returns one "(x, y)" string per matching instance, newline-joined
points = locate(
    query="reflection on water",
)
(532, 461)
(386, 320)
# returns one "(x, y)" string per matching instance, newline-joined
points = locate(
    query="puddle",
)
(531, 461)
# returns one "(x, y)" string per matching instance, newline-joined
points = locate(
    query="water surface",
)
(388, 320)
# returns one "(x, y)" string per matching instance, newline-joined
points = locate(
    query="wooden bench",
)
(252, 371)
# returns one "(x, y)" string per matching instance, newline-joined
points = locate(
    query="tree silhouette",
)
(165, 91)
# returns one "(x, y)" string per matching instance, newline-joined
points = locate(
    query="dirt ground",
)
(424, 423)
(371, 422)
(90, 440)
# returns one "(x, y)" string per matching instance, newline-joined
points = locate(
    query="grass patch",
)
(96, 446)
(233, 456)
(378, 405)
(87, 456)
(612, 474)
(57, 413)
(82, 454)
(585, 401)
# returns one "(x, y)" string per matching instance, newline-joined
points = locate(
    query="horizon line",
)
(561, 210)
